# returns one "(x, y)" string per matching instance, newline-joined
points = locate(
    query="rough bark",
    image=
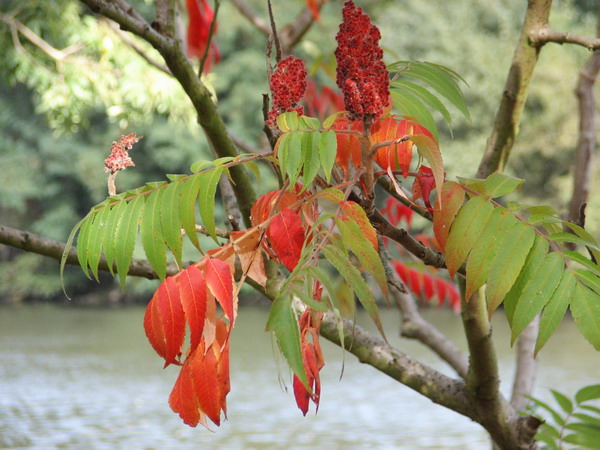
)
(586, 143)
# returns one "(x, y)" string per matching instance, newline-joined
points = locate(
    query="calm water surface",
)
(87, 378)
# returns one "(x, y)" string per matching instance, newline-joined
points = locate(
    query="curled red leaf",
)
(286, 237)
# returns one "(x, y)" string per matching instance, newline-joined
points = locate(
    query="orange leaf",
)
(220, 283)
(246, 245)
(154, 328)
(394, 156)
(172, 318)
(354, 212)
(452, 198)
(192, 289)
(348, 145)
(286, 237)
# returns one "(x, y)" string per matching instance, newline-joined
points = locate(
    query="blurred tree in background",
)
(71, 84)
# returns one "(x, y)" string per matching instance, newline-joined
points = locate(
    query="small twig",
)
(546, 34)
(211, 31)
(254, 19)
(218, 231)
(274, 33)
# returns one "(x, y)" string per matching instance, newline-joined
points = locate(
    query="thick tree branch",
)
(525, 366)
(35, 243)
(415, 327)
(372, 350)
(508, 117)
(546, 34)
(209, 119)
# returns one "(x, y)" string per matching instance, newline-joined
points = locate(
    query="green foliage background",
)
(58, 118)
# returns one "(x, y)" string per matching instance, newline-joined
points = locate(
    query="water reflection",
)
(87, 378)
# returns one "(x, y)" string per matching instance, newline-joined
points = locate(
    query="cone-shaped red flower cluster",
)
(361, 73)
(288, 85)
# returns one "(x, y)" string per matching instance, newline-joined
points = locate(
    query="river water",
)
(87, 378)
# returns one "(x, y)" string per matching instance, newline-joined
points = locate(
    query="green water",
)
(87, 378)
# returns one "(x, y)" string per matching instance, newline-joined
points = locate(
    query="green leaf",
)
(254, 169)
(125, 237)
(187, 208)
(426, 96)
(352, 275)
(508, 262)
(282, 321)
(152, 236)
(555, 309)
(327, 152)
(534, 259)
(499, 184)
(328, 122)
(591, 280)
(96, 238)
(439, 80)
(466, 229)
(310, 156)
(563, 401)
(288, 121)
(224, 160)
(586, 418)
(475, 184)
(569, 237)
(169, 219)
(485, 249)
(206, 199)
(200, 165)
(591, 408)
(579, 258)
(409, 105)
(290, 156)
(585, 440)
(83, 243)
(537, 292)
(309, 301)
(593, 245)
(110, 244)
(310, 122)
(547, 437)
(354, 239)
(65, 255)
(585, 308)
(588, 393)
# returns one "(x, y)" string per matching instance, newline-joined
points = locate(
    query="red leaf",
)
(200, 18)
(324, 103)
(220, 283)
(441, 288)
(171, 316)
(183, 398)
(203, 367)
(192, 289)
(154, 328)
(402, 271)
(415, 281)
(423, 185)
(348, 145)
(301, 394)
(428, 286)
(396, 156)
(313, 7)
(286, 237)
